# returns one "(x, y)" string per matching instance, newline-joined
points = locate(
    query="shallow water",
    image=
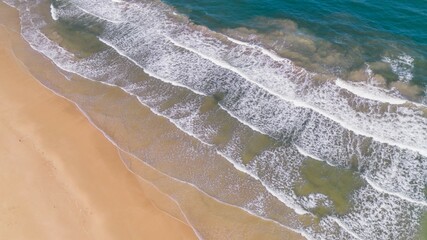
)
(360, 31)
(328, 158)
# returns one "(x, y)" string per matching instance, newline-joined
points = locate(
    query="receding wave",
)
(348, 158)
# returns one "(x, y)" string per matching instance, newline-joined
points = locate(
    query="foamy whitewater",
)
(249, 110)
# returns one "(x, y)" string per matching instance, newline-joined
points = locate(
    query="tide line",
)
(297, 210)
(97, 16)
(150, 73)
(339, 82)
(302, 152)
(345, 227)
(401, 196)
(380, 96)
(295, 102)
(68, 69)
(373, 184)
(269, 53)
(303, 233)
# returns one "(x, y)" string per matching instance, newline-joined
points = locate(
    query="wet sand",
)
(60, 178)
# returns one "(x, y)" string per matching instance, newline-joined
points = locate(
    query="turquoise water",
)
(325, 157)
(377, 29)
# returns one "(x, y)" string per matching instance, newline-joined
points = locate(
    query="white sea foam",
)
(275, 193)
(150, 73)
(253, 108)
(299, 103)
(378, 188)
(227, 66)
(236, 165)
(109, 138)
(53, 12)
(99, 16)
(374, 185)
(256, 129)
(239, 167)
(269, 53)
(369, 92)
(10, 3)
(402, 66)
(342, 114)
(306, 154)
(346, 228)
(62, 62)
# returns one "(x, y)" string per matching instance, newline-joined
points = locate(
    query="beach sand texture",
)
(60, 178)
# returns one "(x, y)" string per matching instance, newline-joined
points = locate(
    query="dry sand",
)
(60, 178)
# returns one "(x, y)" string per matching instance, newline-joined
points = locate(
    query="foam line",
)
(237, 166)
(401, 196)
(296, 102)
(272, 55)
(97, 16)
(300, 150)
(373, 184)
(64, 63)
(150, 73)
(369, 181)
(9, 4)
(303, 233)
(53, 13)
(241, 120)
(211, 59)
(306, 235)
(345, 227)
(364, 93)
(370, 92)
(306, 154)
(297, 209)
(359, 92)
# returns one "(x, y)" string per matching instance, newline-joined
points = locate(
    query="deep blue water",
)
(376, 27)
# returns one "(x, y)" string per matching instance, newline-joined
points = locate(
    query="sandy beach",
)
(60, 178)
(221, 119)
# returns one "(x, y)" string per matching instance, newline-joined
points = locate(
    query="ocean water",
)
(363, 31)
(296, 116)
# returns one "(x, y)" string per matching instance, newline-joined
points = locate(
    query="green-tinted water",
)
(76, 37)
(337, 184)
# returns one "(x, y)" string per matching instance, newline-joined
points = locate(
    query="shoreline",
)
(178, 102)
(77, 183)
(181, 202)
